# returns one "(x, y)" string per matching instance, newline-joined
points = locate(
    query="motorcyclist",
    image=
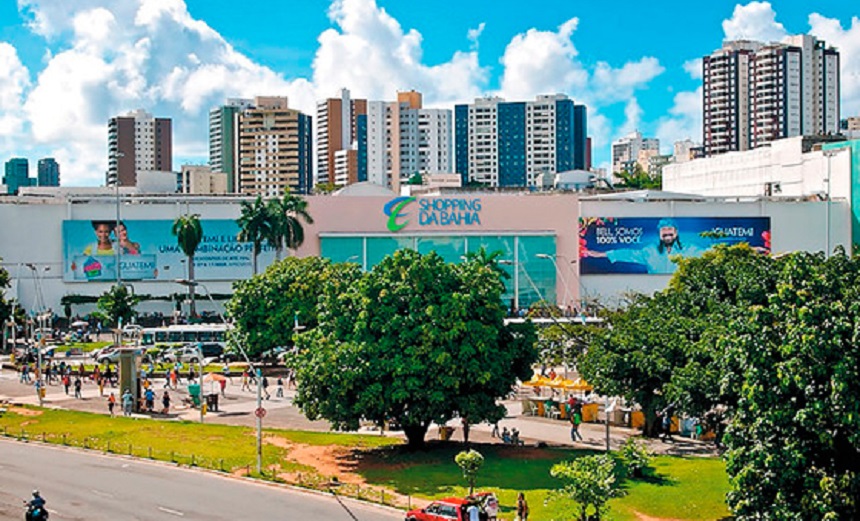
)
(36, 510)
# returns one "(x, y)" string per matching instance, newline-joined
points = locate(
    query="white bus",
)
(175, 336)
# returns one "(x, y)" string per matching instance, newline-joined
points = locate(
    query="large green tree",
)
(189, 233)
(666, 348)
(265, 306)
(415, 340)
(255, 225)
(794, 439)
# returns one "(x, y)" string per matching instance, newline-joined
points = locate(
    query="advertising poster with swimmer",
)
(147, 250)
(625, 245)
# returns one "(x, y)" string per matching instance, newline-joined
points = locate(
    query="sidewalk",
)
(238, 407)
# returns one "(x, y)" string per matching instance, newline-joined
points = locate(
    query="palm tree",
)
(254, 225)
(286, 215)
(491, 260)
(189, 234)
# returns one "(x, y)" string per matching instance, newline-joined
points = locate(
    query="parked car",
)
(190, 353)
(453, 508)
(112, 356)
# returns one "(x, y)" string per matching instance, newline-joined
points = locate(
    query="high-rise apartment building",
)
(338, 130)
(138, 142)
(633, 148)
(17, 175)
(754, 93)
(403, 139)
(500, 143)
(274, 149)
(48, 172)
(222, 138)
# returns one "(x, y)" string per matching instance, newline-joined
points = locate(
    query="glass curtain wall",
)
(530, 278)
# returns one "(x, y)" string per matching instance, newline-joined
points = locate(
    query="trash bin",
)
(194, 393)
(445, 432)
(212, 402)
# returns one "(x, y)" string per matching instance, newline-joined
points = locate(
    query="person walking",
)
(522, 507)
(575, 417)
(127, 403)
(111, 401)
(67, 383)
(245, 384)
(265, 385)
(280, 393)
(78, 384)
(165, 401)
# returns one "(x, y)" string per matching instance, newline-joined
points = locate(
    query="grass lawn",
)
(222, 447)
(680, 488)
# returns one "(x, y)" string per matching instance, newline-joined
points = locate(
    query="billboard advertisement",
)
(649, 244)
(147, 250)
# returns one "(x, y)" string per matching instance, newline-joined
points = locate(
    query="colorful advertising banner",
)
(648, 244)
(148, 251)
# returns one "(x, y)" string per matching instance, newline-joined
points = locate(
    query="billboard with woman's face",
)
(147, 250)
(652, 244)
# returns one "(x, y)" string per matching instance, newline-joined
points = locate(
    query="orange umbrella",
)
(214, 377)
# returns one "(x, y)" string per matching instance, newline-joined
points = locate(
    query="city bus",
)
(179, 335)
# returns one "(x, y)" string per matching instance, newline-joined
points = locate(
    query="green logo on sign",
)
(393, 208)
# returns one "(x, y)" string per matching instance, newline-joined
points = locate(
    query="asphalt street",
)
(87, 486)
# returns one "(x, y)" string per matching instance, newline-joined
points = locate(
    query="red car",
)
(441, 510)
(454, 508)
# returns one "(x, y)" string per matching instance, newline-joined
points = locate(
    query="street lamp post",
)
(258, 372)
(560, 274)
(829, 154)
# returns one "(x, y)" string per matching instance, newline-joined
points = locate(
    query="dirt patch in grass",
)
(24, 412)
(642, 517)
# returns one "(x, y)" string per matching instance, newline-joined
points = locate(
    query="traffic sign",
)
(260, 412)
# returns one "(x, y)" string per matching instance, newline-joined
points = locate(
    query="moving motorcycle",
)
(36, 510)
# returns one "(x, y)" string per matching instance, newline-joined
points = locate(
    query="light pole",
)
(829, 154)
(258, 372)
(560, 274)
(118, 252)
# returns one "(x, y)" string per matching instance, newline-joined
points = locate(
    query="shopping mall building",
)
(559, 247)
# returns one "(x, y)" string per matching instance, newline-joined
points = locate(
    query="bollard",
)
(150, 452)
(382, 496)
(192, 460)
(85, 443)
(129, 449)
(221, 465)
(248, 471)
(108, 447)
(64, 438)
(358, 491)
(172, 458)
(43, 436)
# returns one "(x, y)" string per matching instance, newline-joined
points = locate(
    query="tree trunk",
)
(256, 252)
(415, 435)
(652, 425)
(193, 310)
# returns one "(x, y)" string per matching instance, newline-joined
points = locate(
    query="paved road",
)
(93, 487)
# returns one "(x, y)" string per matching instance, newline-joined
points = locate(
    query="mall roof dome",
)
(365, 188)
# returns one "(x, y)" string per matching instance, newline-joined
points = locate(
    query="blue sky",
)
(71, 65)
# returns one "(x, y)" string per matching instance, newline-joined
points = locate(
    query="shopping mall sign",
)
(433, 211)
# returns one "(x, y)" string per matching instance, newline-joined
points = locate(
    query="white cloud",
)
(684, 119)
(694, 68)
(391, 59)
(632, 117)
(16, 79)
(106, 57)
(754, 21)
(475, 34)
(847, 42)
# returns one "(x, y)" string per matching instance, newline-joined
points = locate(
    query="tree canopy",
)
(770, 342)
(117, 304)
(265, 306)
(5, 306)
(415, 340)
